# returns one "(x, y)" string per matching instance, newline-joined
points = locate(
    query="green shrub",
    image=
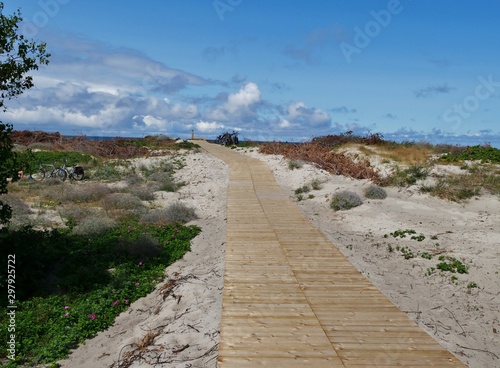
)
(475, 153)
(345, 200)
(133, 179)
(302, 189)
(175, 213)
(375, 192)
(94, 226)
(32, 160)
(121, 201)
(316, 184)
(169, 186)
(142, 248)
(408, 176)
(74, 214)
(452, 265)
(107, 171)
(295, 164)
(87, 193)
(145, 193)
(19, 207)
(72, 286)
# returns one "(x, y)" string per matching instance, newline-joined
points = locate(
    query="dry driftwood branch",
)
(463, 331)
(181, 349)
(481, 350)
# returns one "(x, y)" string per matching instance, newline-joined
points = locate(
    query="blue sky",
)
(411, 70)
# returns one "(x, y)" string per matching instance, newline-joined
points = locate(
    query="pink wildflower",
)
(92, 316)
(66, 314)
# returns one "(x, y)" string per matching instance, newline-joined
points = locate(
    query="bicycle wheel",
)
(60, 174)
(37, 175)
(78, 173)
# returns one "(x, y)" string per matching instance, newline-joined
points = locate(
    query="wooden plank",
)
(291, 299)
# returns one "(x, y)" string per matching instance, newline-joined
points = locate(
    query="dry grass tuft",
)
(147, 340)
(176, 212)
(92, 226)
(92, 192)
(121, 201)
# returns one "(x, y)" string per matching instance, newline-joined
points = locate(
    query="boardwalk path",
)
(291, 299)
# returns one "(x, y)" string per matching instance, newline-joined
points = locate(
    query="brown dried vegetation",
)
(321, 155)
(113, 148)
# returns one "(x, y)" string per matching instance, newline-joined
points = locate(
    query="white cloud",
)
(208, 127)
(239, 105)
(40, 115)
(248, 95)
(150, 122)
(284, 124)
(299, 113)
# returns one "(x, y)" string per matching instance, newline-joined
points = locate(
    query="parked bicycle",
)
(227, 139)
(74, 172)
(48, 171)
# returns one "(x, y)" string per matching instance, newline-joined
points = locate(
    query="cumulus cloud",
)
(299, 113)
(434, 90)
(208, 127)
(240, 105)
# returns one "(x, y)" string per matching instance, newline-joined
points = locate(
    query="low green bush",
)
(303, 189)
(475, 153)
(345, 200)
(295, 164)
(405, 177)
(175, 213)
(87, 193)
(72, 287)
(375, 192)
(121, 201)
(145, 193)
(93, 226)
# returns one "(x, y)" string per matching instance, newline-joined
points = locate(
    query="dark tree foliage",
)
(18, 56)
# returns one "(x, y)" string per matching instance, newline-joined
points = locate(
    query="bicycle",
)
(74, 172)
(53, 172)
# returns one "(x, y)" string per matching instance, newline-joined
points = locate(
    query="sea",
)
(455, 141)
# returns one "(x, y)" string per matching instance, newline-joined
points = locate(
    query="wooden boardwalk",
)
(291, 299)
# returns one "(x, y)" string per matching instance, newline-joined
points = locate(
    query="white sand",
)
(464, 320)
